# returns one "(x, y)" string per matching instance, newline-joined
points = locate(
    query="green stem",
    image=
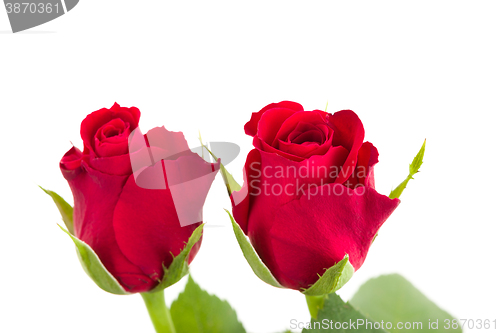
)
(315, 303)
(159, 312)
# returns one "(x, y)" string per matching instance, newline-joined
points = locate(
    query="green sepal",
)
(414, 167)
(64, 208)
(179, 266)
(258, 267)
(332, 280)
(94, 268)
(231, 184)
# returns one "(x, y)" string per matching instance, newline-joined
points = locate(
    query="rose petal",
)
(285, 181)
(252, 126)
(112, 138)
(113, 165)
(313, 137)
(95, 196)
(291, 122)
(242, 199)
(364, 176)
(270, 123)
(263, 146)
(292, 151)
(149, 240)
(327, 130)
(98, 118)
(304, 150)
(302, 128)
(71, 163)
(348, 133)
(315, 232)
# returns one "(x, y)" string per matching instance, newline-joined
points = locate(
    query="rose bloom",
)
(135, 231)
(309, 195)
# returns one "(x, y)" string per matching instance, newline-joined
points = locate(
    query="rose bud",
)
(309, 195)
(135, 230)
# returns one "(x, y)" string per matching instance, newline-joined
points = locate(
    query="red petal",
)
(242, 199)
(95, 196)
(71, 163)
(367, 158)
(305, 150)
(270, 123)
(348, 133)
(272, 190)
(113, 165)
(252, 126)
(291, 123)
(263, 146)
(148, 223)
(314, 233)
(112, 138)
(98, 118)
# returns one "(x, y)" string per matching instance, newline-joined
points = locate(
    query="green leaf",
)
(335, 314)
(231, 184)
(258, 267)
(414, 167)
(392, 298)
(179, 266)
(94, 267)
(333, 279)
(195, 311)
(64, 208)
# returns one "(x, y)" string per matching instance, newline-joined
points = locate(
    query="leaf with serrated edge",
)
(179, 267)
(332, 280)
(196, 311)
(394, 299)
(64, 208)
(94, 267)
(231, 184)
(335, 313)
(258, 267)
(414, 166)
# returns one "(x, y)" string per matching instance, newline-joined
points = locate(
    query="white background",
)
(426, 69)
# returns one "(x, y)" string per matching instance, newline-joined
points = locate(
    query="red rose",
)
(309, 196)
(133, 230)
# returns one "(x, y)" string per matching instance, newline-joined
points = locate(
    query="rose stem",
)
(315, 303)
(159, 312)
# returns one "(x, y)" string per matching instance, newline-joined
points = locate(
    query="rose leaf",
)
(338, 316)
(196, 311)
(394, 299)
